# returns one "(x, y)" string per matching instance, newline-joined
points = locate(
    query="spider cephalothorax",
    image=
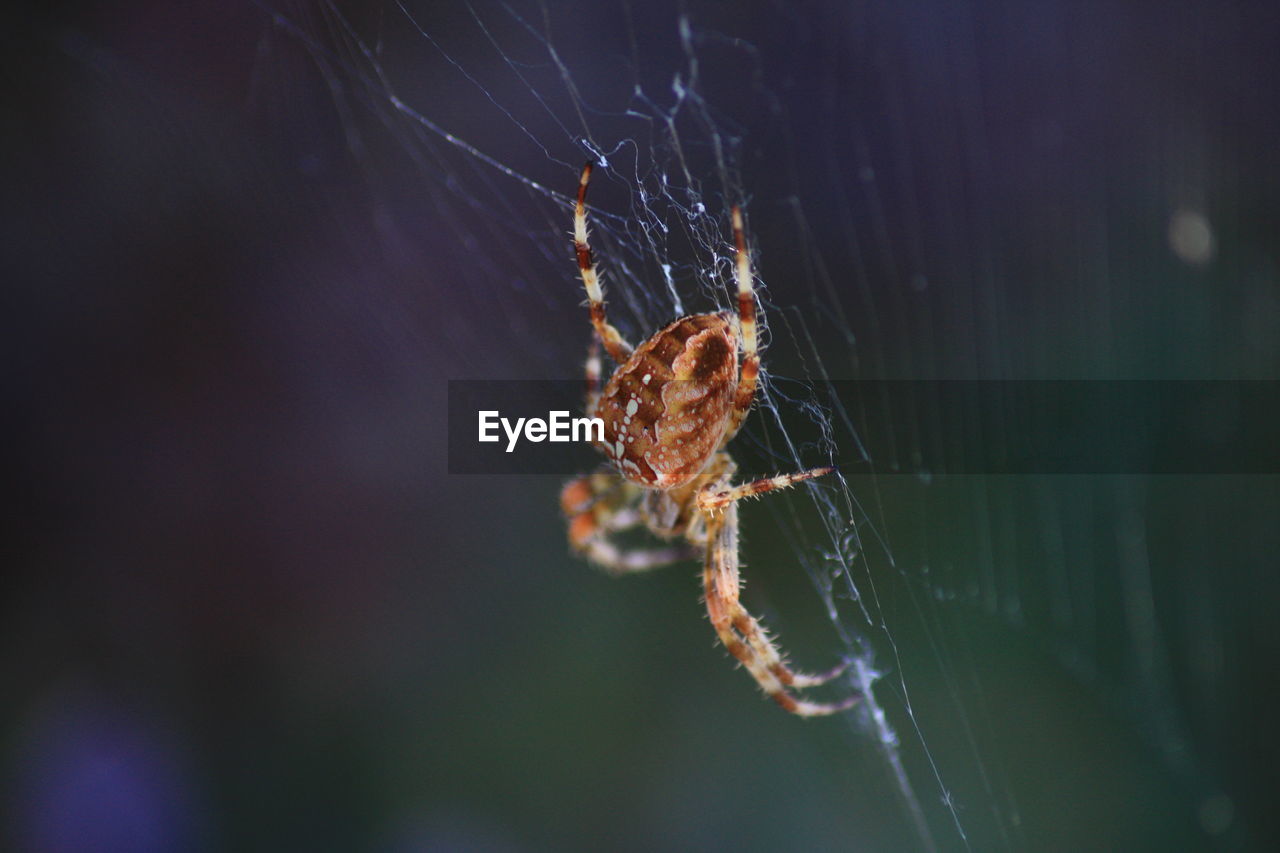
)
(669, 408)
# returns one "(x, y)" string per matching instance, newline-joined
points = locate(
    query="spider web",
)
(471, 127)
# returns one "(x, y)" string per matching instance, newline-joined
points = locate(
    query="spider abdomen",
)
(666, 408)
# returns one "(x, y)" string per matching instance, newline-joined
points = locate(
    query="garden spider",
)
(669, 408)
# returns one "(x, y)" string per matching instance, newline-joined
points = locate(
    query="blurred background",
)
(246, 245)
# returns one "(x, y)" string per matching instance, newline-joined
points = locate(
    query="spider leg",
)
(626, 561)
(748, 378)
(742, 635)
(718, 495)
(617, 348)
(592, 369)
(598, 505)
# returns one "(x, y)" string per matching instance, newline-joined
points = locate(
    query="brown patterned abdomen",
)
(666, 408)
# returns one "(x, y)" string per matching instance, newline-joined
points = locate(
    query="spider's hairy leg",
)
(715, 496)
(617, 348)
(600, 504)
(718, 495)
(748, 627)
(750, 370)
(742, 635)
(592, 370)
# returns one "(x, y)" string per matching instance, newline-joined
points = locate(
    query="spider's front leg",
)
(591, 370)
(738, 629)
(721, 494)
(749, 375)
(614, 343)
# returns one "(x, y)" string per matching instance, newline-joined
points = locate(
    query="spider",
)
(669, 409)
